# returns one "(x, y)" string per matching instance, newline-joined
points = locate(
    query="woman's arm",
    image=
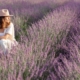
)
(6, 36)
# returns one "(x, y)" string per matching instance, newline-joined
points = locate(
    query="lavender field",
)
(48, 32)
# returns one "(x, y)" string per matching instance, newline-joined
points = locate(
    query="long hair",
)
(3, 24)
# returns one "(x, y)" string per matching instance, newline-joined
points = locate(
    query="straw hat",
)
(4, 12)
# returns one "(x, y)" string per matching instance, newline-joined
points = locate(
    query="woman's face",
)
(6, 19)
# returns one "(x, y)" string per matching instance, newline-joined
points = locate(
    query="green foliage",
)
(25, 73)
(1, 69)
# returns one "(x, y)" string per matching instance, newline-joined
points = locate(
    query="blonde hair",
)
(3, 24)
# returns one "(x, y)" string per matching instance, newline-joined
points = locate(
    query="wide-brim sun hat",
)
(5, 12)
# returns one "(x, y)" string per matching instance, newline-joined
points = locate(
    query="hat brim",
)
(6, 15)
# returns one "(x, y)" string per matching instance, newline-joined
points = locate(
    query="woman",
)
(7, 36)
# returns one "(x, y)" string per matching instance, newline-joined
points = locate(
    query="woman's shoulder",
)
(10, 25)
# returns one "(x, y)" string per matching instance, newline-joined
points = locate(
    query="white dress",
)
(6, 44)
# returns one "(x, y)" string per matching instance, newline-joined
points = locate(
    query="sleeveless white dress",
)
(6, 44)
